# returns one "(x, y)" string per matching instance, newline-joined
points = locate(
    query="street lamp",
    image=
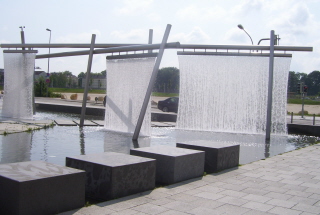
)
(241, 27)
(48, 61)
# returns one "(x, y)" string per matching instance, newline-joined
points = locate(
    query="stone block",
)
(173, 164)
(38, 187)
(218, 156)
(112, 175)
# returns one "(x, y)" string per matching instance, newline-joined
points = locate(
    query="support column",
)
(270, 86)
(151, 83)
(85, 93)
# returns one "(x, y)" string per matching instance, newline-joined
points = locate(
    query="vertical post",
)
(314, 119)
(151, 83)
(270, 86)
(302, 111)
(291, 117)
(150, 39)
(85, 93)
(22, 38)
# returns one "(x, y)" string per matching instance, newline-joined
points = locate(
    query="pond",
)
(55, 144)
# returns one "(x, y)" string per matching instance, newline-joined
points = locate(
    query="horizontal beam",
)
(61, 45)
(110, 50)
(233, 54)
(143, 55)
(20, 51)
(246, 47)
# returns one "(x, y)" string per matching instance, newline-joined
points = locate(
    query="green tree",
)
(313, 83)
(167, 80)
(40, 87)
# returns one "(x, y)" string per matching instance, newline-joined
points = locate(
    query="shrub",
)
(304, 112)
(74, 96)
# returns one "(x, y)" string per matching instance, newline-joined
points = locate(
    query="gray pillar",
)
(85, 94)
(270, 86)
(150, 39)
(151, 83)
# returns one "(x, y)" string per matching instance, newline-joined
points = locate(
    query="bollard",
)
(314, 119)
(291, 117)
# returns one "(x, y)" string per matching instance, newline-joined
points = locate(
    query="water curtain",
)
(127, 81)
(18, 85)
(229, 93)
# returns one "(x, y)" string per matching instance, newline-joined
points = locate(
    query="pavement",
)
(283, 184)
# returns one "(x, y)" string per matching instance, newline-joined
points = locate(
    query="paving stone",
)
(231, 209)
(284, 211)
(307, 201)
(306, 208)
(257, 198)
(258, 206)
(233, 200)
(179, 206)
(208, 195)
(150, 209)
(184, 197)
(173, 212)
(203, 211)
(124, 212)
(281, 203)
(278, 196)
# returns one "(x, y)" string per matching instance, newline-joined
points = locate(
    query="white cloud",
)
(197, 35)
(236, 36)
(194, 12)
(246, 7)
(133, 35)
(132, 7)
(84, 37)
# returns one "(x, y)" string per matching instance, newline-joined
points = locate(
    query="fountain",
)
(124, 100)
(18, 87)
(229, 93)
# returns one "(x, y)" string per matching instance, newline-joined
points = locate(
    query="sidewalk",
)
(283, 184)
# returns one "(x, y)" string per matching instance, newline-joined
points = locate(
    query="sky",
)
(213, 22)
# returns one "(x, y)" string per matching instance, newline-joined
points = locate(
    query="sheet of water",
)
(18, 85)
(127, 81)
(229, 94)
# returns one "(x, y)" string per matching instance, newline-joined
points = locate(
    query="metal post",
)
(302, 111)
(151, 83)
(291, 117)
(270, 86)
(150, 39)
(314, 119)
(22, 38)
(85, 94)
(48, 62)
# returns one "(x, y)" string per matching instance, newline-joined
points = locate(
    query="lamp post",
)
(47, 79)
(241, 27)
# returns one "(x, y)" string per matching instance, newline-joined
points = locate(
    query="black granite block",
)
(38, 187)
(218, 156)
(173, 164)
(112, 175)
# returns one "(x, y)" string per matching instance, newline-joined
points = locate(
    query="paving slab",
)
(98, 122)
(63, 122)
(86, 123)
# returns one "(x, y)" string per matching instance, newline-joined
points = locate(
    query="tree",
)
(40, 87)
(293, 81)
(167, 80)
(313, 83)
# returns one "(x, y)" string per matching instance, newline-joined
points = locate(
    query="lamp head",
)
(241, 27)
(22, 27)
(48, 29)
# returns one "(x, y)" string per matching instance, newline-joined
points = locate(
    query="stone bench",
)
(173, 164)
(112, 175)
(38, 187)
(218, 156)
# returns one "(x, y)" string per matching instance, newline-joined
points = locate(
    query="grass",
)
(76, 90)
(165, 94)
(306, 101)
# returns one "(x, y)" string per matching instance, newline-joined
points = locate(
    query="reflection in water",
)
(122, 143)
(82, 143)
(16, 147)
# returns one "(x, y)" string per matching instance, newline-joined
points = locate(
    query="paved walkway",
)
(283, 184)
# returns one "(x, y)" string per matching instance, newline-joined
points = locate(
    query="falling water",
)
(229, 94)
(127, 81)
(18, 85)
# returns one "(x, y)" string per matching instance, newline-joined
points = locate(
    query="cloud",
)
(236, 36)
(133, 35)
(132, 7)
(194, 12)
(84, 37)
(246, 7)
(197, 35)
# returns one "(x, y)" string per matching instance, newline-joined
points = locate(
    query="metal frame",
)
(126, 56)
(111, 48)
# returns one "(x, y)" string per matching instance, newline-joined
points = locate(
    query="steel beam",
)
(270, 86)
(85, 94)
(234, 54)
(62, 45)
(110, 50)
(151, 84)
(20, 51)
(113, 57)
